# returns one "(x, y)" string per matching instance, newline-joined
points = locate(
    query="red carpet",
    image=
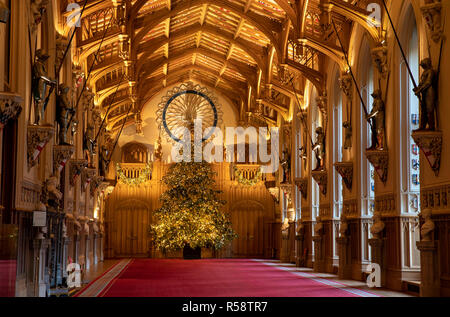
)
(218, 278)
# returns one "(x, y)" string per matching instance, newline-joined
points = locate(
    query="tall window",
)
(410, 109)
(315, 123)
(409, 168)
(366, 83)
(337, 157)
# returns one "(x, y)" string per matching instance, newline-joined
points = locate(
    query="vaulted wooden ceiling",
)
(239, 47)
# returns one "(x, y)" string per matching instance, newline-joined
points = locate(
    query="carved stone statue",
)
(378, 226)
(427, 93)
(64, 112)
(377, 117)
(285, 228)
(286, 165)
(428, 227)
(348, 135)
(319, 149)
(104, 160)
(51, 196)
(40, 81)
(89, 144)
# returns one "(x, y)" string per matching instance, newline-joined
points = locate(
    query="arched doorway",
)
(247, 218)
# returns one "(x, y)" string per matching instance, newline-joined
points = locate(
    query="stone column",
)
(285, 253)
(377, 248)
(300, 261)
(345, 261)
(292, 238)
(430, 281)
(40, 255)
(318, 256)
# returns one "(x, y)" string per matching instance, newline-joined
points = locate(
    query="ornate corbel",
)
(95, 184)
(431, 12)
(86, 177)
(345, 169)
(302, 185)
(76, 168)
(10, 107)
(430, 142)
(380, 161)
(37, 9)
(61, 46)
(274, 190)
(61, 154)
(380, 60)
(321, 177)
(287, 189)
(285, 75)
(37, 139)
(346, 85)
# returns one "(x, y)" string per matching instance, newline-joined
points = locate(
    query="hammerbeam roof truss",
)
(226, 44)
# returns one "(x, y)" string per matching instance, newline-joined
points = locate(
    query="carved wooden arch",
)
(161, 15)
(184, 69)
(100, 97)
(243, 69)
(335, 54)
(135, 152)
(133, 203)
(176, 78)
(357, 15)
(93, 47)
(312, 75)
(192, 29)
(248, 203)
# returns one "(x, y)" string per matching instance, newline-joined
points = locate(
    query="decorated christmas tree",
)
(190, 215)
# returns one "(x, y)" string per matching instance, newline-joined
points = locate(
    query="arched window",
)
(409, 169)
(316, 121)
(337, 194)
(367, 175)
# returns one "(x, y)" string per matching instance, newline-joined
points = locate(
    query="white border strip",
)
(332, 283)
(99, 285)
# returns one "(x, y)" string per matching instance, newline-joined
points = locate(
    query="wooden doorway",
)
(247, 218)
(130, 228)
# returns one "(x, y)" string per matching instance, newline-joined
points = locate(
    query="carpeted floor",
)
(211, 278)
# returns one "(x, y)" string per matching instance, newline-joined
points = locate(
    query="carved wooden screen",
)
(135, 153)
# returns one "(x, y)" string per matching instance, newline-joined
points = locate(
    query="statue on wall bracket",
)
(40, 82)
(428, 96)
(319, 149)
(64, 111)
(427, 137)
(286, 165)
(89, 144)
(377, 119)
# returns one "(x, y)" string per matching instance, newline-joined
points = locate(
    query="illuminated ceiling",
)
(245, 49)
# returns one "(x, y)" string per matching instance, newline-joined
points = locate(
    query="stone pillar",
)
(285, 252)
(292, 238)
(318, 256)
(377, 248)
(87, 241)
(299, 244)
(65, 256)
(102, 257)
(94, 250)
(430, 275)
(345, 261)
(40, 255)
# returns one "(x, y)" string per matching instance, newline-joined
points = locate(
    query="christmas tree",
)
(190, 214)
